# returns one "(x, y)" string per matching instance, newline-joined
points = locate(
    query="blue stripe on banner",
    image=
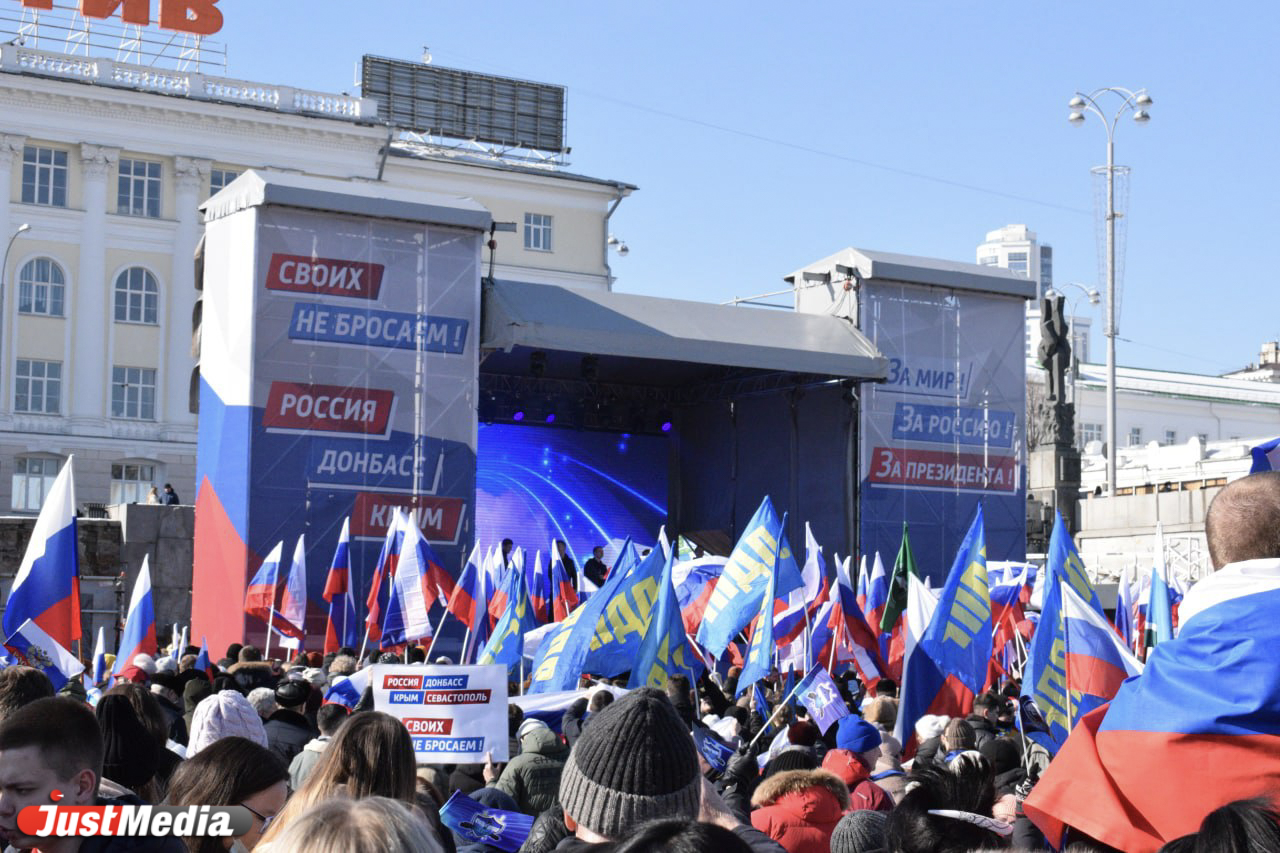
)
(1218, 676)
(47, 585)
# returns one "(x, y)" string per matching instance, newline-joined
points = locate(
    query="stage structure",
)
(946, 430)
(353, 360)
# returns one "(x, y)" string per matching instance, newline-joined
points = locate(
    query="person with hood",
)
(800, 808)
(857, 750)
(533, 777)
(888, 772)
(288, 729)
(130, 755)
(193, 692)
(329, 718)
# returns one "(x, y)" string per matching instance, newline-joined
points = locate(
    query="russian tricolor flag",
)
(100, 658)
(563, 596)
(293, 604)
(540, 590)
(340, 628)
(469, 605)
(37, 649)
(46, 589)
(1124, 608)
(1209, 699)
(202, 659)
(260, 595)
(385, 568)
(1097, 660)
(139, 635)
(409, 600)
(789, 618)
(695, 581)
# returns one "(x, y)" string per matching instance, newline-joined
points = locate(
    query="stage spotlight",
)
(537, 363)
(664, 421)
(551, 417)
(518, 414)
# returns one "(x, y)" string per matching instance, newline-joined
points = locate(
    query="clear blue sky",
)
(765, 136)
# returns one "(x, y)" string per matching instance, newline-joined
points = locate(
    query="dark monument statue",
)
(1056, 414)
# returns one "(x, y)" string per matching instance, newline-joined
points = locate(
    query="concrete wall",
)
(1120, 531)
(165, 534)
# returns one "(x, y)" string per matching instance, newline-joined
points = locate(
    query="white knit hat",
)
(931, 726)
(145, 662)
(166, 664)
(224, 714)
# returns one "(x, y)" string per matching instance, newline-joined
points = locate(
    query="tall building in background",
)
(1015, 248)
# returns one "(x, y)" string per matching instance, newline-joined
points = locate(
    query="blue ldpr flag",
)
(820, 696)
(959, 638)
(664, 650)
(712, 748)
(563, 653)
(497, 827)
(759, 660)
(506, 645)
(1045, 676)
(760, 557)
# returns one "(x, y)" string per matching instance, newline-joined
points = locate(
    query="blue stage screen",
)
(535, 484)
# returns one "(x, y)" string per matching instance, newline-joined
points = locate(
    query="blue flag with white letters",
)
(761, 557)
(960, 635)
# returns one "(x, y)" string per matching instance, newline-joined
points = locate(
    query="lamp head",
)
(1143, 100)
(1094, 296)
(26, 226)
(1141, 116)
(1076, 117)
(1076, 103)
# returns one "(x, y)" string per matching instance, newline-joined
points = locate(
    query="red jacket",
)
(863, 793)
(799, 809)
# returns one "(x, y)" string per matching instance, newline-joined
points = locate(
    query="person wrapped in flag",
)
(1207, 702)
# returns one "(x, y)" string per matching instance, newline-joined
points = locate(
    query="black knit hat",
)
(635, 762)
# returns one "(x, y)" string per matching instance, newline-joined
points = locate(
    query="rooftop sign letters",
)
(197, 17)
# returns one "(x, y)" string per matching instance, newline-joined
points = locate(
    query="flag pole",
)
(364, 644)
(466, 638)
(436, 634)
(777, 710)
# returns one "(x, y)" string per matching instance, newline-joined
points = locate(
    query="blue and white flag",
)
(712, 748)
(484, 825)
(761, 558)
(33, 647)
(1160, 602)
(1266, 456)
(100, 658)
(820, 696)
(348, 691)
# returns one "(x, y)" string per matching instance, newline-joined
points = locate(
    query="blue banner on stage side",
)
(340, 324)
(948, 424)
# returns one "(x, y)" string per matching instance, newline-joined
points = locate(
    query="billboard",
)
(945, 431)
(338, 376)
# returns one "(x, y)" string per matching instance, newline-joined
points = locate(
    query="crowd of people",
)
(698, 766)
(619, 770)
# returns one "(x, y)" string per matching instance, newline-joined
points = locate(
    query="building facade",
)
(1015, 248)
(104, 166)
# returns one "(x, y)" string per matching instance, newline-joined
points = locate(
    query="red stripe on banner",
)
(914, 467)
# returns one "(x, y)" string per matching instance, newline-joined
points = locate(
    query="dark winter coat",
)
(800, 808)
(532, 778)
(863, 793)
(287, 733)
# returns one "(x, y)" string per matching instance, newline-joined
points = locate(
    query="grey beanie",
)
(635, 762)
(862, 831)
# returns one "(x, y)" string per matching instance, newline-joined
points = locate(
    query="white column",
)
(91, 314)
(10, 154)
(191, 177)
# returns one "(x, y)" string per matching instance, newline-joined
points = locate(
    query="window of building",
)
(537, 232)
(219, 178)
(44, 176)
(1018, 263)
(37, 386)
(131, 481)
(1135, 436)
(1170, 436)
(33, 477)
(139, 188)
(1046, 267)
(989, 260)
(133, 393)
(137, 296)
(1090, 432)
(41, 288)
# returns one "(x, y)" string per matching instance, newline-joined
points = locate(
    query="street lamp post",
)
(4, 267)
(1137, 103)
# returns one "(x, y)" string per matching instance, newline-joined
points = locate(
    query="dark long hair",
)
(225, 773)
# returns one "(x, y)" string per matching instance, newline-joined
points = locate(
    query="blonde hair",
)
(371, 825)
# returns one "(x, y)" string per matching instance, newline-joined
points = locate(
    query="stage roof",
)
(551, 317)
